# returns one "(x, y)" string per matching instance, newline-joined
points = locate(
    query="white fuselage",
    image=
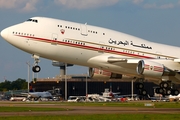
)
(40, 95)
(87, 45)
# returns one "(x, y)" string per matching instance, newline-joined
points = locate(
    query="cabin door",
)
(84, 29)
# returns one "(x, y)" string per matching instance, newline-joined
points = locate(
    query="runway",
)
(78, 110)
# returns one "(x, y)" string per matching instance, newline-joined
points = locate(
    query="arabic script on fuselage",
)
(125, 43)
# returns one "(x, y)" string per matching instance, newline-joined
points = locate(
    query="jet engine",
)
(96, 73)
(151, 69)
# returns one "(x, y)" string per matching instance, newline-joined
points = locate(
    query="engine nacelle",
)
(150, 68)
(96, 73)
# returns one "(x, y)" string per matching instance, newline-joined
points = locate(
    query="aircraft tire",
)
(161, 91)
(36, 69)
(143, 92)
(139, 86)
(168, 91)
(164, 85)
(175, 92)
(157, 90)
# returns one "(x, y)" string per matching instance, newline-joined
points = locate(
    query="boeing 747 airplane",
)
(108, 53)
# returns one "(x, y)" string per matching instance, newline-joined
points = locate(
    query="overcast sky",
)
(153, 20)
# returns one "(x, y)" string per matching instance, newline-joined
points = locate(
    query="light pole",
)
(32, 76)
(28, 64)
(86, 87)
(65, 82)
(132, 90)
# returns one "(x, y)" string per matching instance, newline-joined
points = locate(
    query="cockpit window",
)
(32, 20)
(29, 20)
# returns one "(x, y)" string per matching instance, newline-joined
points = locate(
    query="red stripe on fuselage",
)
(84, 47)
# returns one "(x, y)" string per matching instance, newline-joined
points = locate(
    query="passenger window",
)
(32, 20)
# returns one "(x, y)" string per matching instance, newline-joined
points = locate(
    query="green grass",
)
(25, 109)
(13, 107)
(99, 117)
(129, 104)
(113, 104)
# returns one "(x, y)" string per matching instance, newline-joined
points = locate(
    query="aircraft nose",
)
(4, 33)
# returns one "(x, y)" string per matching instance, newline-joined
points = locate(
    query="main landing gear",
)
(140, 87)
(35, 67)
(166, 89)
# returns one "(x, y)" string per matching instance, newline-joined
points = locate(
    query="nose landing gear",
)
(140, 87)
(35, 67)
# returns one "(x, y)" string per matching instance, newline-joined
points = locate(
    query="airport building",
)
(76, 86)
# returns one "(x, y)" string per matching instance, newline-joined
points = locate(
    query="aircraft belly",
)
(68, 54)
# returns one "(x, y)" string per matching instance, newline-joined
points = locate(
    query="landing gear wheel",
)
(143, 92)
(159, 90)
(175, 92)
(36, 69)
(168, 91)
(164, 85)
(139, 86)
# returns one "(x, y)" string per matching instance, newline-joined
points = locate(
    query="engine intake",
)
(150, 68)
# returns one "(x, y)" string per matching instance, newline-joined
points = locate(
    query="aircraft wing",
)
(177, 60)
(149, 68)
(124, 60)
(129, 63)
(103, 60)
(33, 95)
(171, 64)
(24, 94)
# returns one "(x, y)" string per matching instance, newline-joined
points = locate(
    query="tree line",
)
(19, 84)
